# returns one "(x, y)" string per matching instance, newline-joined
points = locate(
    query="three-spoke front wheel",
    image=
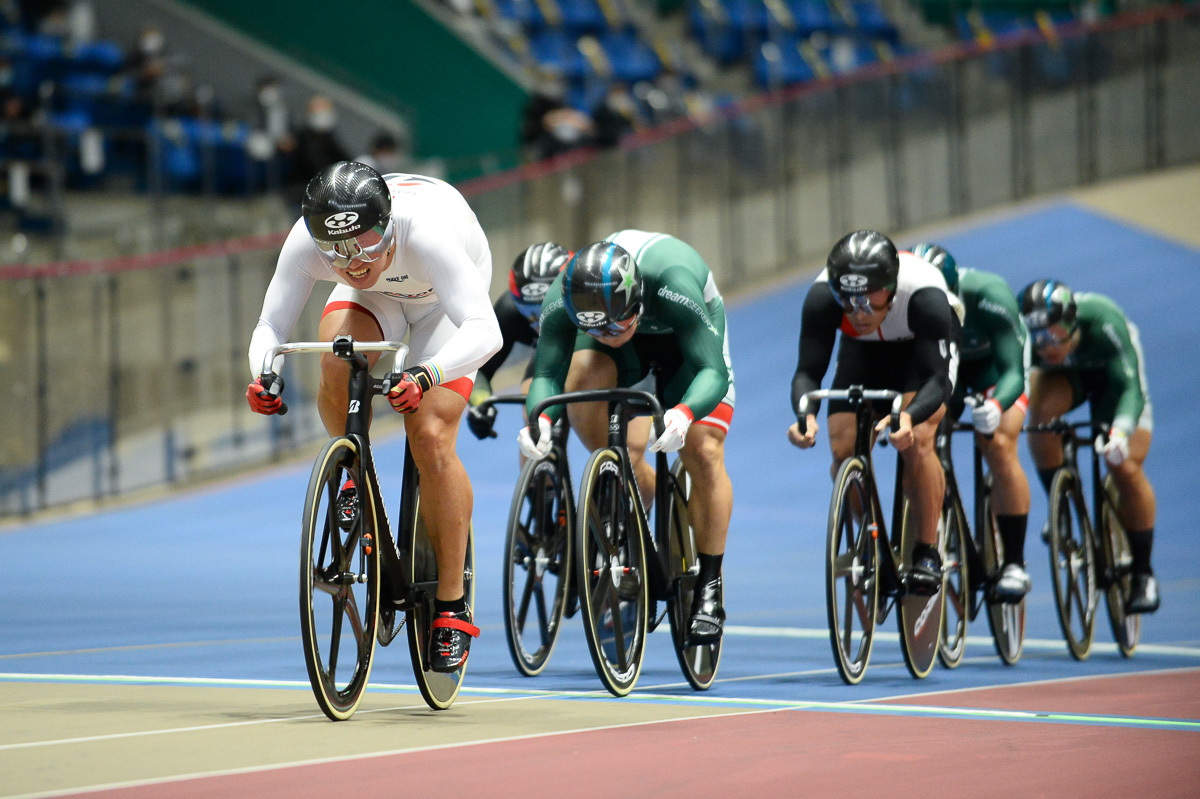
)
(1072, 563)
(1118, 563)
(958, 590)
(851, 572)
(699, 662)
(537, 563)
(339, 582)
(611, 573)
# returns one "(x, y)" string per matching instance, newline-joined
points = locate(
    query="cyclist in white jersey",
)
(407, 255)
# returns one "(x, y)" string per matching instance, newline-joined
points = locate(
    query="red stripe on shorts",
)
(721, 417)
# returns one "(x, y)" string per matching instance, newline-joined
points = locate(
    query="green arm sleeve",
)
(1008, 353)
(552, 359)
(702, 344)
(1123, 377)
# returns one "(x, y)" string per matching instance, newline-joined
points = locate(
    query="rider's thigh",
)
(1002, 444)
(353, 322)
(704, 450)
(924, 437)
(590, 370)
(841, 436)
(432, 429)
(638, 435)
(1050, 396)
(1139, 445)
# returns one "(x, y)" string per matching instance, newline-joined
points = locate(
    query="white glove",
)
(1116, 449)
(675, 426)
(542, 448)
(986, 416)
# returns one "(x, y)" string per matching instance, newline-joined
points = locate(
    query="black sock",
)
(1012, 535)
(450, 606)
(1140, 544)
(710, 567)
(1046, 475)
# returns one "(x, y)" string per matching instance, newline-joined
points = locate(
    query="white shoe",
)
(1013, 585)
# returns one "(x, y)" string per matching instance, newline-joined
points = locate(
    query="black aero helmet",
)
(1047, 302)
(860, 263)
(343, 202)
(532, 273)
(943, 260)
(602, 288)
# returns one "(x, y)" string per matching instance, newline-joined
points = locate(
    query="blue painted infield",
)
(204, 585)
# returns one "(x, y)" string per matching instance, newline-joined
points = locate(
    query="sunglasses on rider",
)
(612, 329)
(1050, 336)
(368, 247)
(859, 303)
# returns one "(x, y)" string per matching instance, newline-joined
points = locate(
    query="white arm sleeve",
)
(296, 272)
(461, 287)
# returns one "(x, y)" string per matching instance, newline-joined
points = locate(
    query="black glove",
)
(480, 420)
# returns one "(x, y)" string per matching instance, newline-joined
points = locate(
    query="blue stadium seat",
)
(632, 59)
(557, 51)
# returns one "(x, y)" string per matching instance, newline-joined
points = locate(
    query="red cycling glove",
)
(261, 400)
(406, 395)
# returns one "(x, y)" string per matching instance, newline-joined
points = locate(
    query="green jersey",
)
(993, 338)
(680, 300)
(1109, 360)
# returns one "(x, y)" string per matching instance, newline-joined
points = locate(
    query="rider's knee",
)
(704, 453)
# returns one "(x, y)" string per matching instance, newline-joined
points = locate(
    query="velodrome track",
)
(154, 650)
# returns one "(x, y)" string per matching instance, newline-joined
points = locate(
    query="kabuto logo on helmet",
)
(341, 221)
(590, 317)
(852, 283)
(533, 292)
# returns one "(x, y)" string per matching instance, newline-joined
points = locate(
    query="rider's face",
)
(1055, 344)
(866, 319)
(620, 338)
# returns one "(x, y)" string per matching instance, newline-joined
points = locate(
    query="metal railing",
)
(130, 372)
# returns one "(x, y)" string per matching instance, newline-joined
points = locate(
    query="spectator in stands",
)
(313, 147)
(147, 65)
(616, 115)
(385, 155)
(549, 126)
(271, 111)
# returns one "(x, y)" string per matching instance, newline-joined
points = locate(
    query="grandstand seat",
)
(632, 59)
(558, 52)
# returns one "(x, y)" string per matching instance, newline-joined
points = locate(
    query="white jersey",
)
(441, 258)
(915, 274)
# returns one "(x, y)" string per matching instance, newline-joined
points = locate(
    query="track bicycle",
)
(359, 584)
(1087, 555)
(623, 568)
(537, 552)
(973, 560)
(866, 572)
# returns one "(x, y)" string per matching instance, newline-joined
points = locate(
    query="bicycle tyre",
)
(537, 563)
(341, 565)
(610, 569)
(1118, 560)
(1006, 620)
(438, 689)
(920, 617)
(699, 663)
(1072, 563)
(957, 587)
(851, 572)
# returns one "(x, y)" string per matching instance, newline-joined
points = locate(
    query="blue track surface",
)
(204, 585)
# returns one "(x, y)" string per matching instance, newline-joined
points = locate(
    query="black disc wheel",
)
(439, 689)
(1118, 562)
(610, 568)
(851, 572)
(957, 604)
(1006, 620)
(699, 663)
(1072, 563)
(537, 563)
(920, 617)
(339, 582)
